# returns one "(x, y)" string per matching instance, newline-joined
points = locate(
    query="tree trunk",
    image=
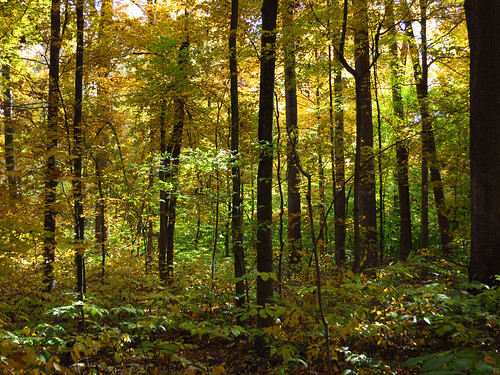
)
(339, 168)
(265, 168)
(162, 176)
(9, 133)
(77, 154)
(366, 246)
(429, 154)
(101, 159)
(170, 166)
(294, 233)
(336, 114)
(237, 212)
(52, 171)
(405, 230)
(483, 24)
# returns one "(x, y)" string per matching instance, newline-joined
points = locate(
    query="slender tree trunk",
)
(323, 233)
(483, 24)
(9, 134)
(101, 159)
(265, 168)
(336, 112)
(162, 176)
(366, 245)
(339, 168)
(237, 209)
(52, 171)
(405, 230)
(381, 191)
(171, 170)
(77, 154)
(292, 128)
(429, 154)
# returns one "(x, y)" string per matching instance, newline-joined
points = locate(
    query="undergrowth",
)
(416, 317)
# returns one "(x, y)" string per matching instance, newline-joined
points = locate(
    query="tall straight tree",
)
(170, 169)
(77, 154)
(101, 159)
(9, 133)
(52, 171)
(405, 230)
(265, 168)
(429, 153)
(292, 129)
(237, 212)
(336, 115)
(364, 190)
(483, 24)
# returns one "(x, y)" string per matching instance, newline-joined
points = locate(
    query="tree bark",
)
(101, 158)
(265, 168)
(237, 212)
(294, 232)
(429, 154)
(339, 168)
(77, 154)
(366, 246)
(170, 165)
(405, 230)
(52, 171)
(336, 118)
(9, 134)
(162, 176)
(483, 24)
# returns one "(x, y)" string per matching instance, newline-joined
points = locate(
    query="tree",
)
(429, 153)
(402, 152)
(265, 168)
(236, 203)
(77, 154)
(292, 129)
(336, 114)
(52, 170)
(9, 133)
(364, 190)
(170, 168)
(483, 24)
(101, 159)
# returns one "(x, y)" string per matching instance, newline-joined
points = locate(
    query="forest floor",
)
(415, 317)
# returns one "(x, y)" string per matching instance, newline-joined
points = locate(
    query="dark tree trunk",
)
(52, 171)
(77, 154)
(170, 166)
(101, 159)
(323, 233)
(265, 168)
(336, 112)
(339, 168)
(9, 134)
(237, 212)
(483, 24)
(366, 246)
(405, 230)
(429, 154)
(292, 128)
(162, 176)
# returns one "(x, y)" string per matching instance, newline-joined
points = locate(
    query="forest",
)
(249, 187)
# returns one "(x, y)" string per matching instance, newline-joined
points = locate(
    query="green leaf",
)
(236, 332)
(415, 361)
(435, 363)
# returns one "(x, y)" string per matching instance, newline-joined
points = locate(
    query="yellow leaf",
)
(218, 370)
(488, 359)
(56, 366)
